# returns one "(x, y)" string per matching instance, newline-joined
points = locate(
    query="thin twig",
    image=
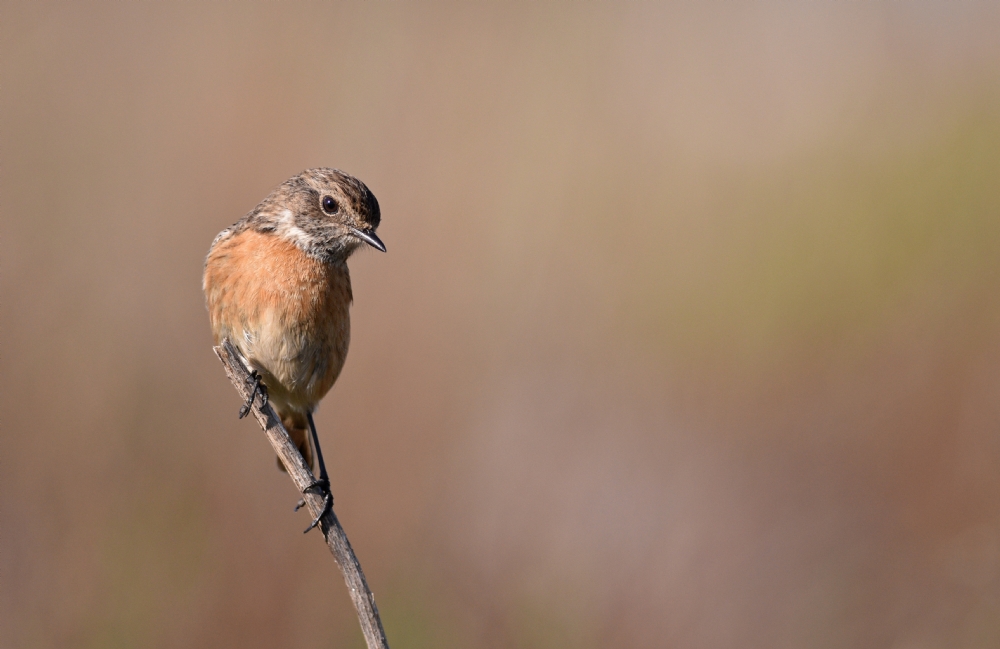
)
(336, 539)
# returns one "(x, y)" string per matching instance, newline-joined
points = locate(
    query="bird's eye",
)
(329, 205)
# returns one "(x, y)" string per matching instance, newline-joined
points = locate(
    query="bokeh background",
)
(688, 334)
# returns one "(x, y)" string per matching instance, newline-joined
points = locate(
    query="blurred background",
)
(688, 334)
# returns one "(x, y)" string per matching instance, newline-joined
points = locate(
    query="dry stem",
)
(336, 539)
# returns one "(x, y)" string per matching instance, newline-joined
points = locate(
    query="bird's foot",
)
(258, 388)
(320, 487)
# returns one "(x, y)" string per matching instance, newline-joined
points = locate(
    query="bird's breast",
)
(286, 311)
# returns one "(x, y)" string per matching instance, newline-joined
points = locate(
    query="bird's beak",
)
(369, 237)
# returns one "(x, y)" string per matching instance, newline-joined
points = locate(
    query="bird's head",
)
(325, 212)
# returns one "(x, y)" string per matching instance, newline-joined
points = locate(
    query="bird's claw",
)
(320, 487)
(258, 388)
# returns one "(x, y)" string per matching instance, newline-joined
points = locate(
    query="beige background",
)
(688, 334)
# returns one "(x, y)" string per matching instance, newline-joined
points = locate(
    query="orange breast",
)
(287, 313)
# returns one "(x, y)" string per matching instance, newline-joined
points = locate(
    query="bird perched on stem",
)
(276, 284)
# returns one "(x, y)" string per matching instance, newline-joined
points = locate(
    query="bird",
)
(277, 286)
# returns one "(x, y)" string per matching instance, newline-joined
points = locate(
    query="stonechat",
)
(276, 284)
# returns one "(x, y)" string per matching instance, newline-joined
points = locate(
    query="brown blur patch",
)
(687, 334)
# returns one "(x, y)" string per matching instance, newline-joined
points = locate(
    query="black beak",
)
(369, 237)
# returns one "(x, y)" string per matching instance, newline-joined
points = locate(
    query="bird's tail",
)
(298, 430)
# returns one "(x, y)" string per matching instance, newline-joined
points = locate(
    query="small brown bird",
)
(276, 284)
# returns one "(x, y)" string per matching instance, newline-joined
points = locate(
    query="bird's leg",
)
(258, 388)
(321, 486)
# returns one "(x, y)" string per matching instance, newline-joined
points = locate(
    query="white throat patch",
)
(286, 227)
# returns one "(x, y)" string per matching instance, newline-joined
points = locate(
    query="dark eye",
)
(329, 205)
